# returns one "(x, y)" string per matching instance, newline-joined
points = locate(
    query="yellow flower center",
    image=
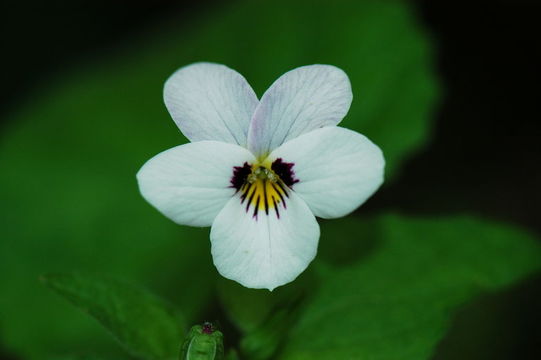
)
(263, 190)
(264, 185)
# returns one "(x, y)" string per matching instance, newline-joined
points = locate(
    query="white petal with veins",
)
(210, 102)
(300, 101)
(262, 211)
(190, 183)
(338, 169)
(268, 251)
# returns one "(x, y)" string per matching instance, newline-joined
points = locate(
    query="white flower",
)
(259, 172)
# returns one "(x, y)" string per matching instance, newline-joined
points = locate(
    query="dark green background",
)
(481, 157)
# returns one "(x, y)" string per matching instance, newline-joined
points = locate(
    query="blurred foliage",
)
(264, 341)
(396, 302)
(82, 357)
(248, 309)
(393, 301)
(147, 326)
(69, 197)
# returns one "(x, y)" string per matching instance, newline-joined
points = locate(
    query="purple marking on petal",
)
(285, 171)
(283, 189)
(240, 173)
(279, 193)
(250, 200)
(256, 207)
(255, 190)
(276, 208)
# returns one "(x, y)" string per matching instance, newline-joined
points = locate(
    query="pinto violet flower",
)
(259, 171)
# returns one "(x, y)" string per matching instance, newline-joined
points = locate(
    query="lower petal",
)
(264, 250)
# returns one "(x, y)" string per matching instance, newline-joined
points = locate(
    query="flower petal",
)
(264, 251)
(210, 102)
(338, 169)
(190, 183)
(300, 101)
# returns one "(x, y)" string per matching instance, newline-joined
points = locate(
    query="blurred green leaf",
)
(69, 198)
(248, 309)
(263, 342)
(145, 325)
(82, 357)
(396, 303)
(264, 317)
(232, 355)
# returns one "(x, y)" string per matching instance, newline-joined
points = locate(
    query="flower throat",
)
(264, 186)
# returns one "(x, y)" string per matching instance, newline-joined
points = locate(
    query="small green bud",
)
(203, 342)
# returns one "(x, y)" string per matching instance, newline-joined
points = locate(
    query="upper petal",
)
(337, 169)
(300, 101)
(190, 183)
(210, 102)
(264, 251)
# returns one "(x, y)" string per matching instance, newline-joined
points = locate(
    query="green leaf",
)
(145, 325)
(70, 153)
(249, 309)
(263, 342)
(264, 317)
(82, 357)
(397, 300)
(232, 355)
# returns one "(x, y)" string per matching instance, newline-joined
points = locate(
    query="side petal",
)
(264, 251)
(191, 183)
(210, 102)
(300, 101)
(337, 169)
